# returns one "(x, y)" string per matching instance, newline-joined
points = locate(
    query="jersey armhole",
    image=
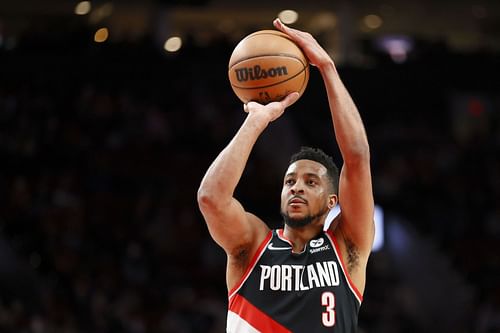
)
(336, 248)
(253, 262)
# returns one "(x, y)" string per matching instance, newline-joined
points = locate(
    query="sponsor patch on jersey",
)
(319, 249)
(317, 242)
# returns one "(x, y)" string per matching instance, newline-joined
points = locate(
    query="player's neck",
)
(300, 236)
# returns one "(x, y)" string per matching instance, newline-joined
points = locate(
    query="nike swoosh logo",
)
(271, 247)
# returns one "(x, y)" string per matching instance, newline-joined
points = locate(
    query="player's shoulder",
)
(258, 231)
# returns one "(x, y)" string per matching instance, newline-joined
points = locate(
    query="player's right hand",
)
(272, 111)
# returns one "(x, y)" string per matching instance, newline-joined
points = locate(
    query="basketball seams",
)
(287, 55)
(275, 34)
(305, 81)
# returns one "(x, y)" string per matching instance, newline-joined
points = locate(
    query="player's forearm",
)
(223, 176)
(349, 129)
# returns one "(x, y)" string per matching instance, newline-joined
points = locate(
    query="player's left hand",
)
(316, 55)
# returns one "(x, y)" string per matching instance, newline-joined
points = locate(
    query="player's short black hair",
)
(318, 155)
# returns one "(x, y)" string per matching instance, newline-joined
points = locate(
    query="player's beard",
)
(301, 222)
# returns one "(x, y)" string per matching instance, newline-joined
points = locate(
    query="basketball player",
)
(301, 278)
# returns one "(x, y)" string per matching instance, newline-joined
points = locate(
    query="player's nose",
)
(297, 188)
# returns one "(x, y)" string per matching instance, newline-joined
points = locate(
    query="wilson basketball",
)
(266, 66)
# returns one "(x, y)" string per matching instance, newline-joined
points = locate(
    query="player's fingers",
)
(282, 27)
(278, 24)
(290, 99)
(299, 37)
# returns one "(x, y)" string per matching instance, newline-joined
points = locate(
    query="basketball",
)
(266, 66)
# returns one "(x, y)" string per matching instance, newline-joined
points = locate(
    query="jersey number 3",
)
(328, 316)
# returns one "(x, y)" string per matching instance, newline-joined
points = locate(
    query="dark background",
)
(103, 146)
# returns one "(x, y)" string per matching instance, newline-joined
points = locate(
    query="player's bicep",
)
(231, 226)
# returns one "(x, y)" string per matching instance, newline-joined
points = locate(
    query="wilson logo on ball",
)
(256, 73)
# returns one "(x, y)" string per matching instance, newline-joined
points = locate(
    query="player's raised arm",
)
(356, 226)
(229, 224)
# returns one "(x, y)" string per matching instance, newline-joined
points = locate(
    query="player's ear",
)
(332, 200)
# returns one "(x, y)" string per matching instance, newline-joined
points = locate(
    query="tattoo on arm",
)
(352, 255)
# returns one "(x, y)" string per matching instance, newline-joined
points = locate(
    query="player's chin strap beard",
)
(302, 222)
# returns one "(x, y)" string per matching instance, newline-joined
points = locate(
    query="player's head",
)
(310, 187)
(318, 155)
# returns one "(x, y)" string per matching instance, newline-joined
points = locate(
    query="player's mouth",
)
(296, 200)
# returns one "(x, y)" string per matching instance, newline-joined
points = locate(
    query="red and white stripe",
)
(244, 317)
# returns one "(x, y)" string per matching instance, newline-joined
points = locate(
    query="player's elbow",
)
(209, 199)
(205, 198)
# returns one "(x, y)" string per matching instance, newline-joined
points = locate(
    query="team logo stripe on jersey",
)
(250, 268)
(237, 325)
(248, 313)
(353, 288)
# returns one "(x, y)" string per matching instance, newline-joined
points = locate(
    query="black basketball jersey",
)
(282, 291)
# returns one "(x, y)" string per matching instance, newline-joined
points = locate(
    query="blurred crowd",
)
(103, 146)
